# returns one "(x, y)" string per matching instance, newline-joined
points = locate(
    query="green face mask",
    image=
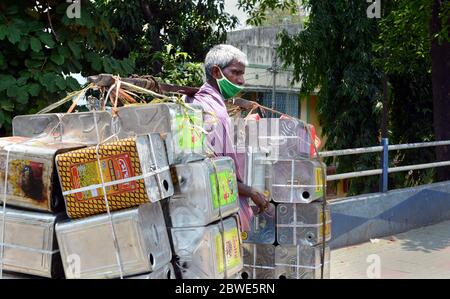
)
(227, 88)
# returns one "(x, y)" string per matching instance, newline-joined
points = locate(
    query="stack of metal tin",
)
(30, 190)
(203, 230)
(108, 175)
(287, 240)
(202, 221)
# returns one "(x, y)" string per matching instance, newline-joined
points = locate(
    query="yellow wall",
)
(310, 115)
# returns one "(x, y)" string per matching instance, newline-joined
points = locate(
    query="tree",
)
(40, 47)
(409, 45)
(440, 57)
(147, 26)
(415, 40)
(334, 52)
(406, 59)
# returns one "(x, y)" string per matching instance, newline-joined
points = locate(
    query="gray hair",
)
(222, 56)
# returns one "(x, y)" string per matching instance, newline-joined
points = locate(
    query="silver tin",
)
(32, 178)
(280, 138)
(303, 224)
(195, 201)
(296, 181)
(253, 166)
(88, 128)
(259, 261)
(245, 133)
(284, 138)
(199, 250)
(166, 272)
(301, 262)
(10, 275)
(169, 120)
(30, 245)
(262, 227)
(141, 236)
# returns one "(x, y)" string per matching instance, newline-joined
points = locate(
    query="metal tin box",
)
(262, 227)
(301, 262)
(196, 201)
(181, 128)
(302, 224)
(200, 250)
(32, 181)
(259, 261)
(30, 245)
(88, 128)
(166, 272)
(88, 250)
(11, 275)
(134, 170)
(296, 181)
(284, 138)
(280, 138)
(253, 167)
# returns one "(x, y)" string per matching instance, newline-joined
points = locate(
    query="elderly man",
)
(225, 68)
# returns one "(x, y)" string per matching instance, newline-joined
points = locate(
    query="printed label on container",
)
(113, 168)
(190, 136)
(319, 181)
(327, 226)
(232, 249)
(26, 178)
(227, 186)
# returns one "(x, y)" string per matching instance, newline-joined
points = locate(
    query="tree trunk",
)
(440, 56)
(149, 17)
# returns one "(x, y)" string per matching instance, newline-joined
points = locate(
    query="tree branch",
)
(50, 22)
(146, 11)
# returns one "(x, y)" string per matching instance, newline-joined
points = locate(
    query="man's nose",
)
(240, 80)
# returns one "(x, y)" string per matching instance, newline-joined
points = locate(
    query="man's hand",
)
(260, 201)
(257, 197)
(245, 104)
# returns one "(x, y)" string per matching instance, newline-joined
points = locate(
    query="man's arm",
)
(257, 197)
(244, 104)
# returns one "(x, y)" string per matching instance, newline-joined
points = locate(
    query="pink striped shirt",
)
(220, 140)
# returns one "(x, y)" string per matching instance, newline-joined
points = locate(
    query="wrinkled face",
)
(234, 72)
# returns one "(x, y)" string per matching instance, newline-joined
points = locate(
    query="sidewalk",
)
(419, 253)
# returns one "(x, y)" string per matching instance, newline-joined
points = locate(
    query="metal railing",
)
(385, 170)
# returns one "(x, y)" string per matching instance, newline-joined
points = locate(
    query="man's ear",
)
(216, 72)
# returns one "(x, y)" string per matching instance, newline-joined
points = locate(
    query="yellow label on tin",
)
(319, 181)
(327, 226)
(232, 249)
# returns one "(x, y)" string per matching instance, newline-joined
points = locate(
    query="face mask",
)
(227, 88)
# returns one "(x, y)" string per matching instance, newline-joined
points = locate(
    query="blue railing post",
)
(385, 165)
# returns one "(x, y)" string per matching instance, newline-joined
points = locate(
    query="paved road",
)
(419, 253)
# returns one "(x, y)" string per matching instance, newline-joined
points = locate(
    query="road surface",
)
(419, 253)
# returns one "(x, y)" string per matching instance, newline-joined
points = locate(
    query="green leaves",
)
(3, 31)
(17, 92)
(33, 89)
(72, 84)
(13, 34)
(75, 48)
(6, 81)
(57, 58)
(23, 44)
(35, 44)
(46, 39)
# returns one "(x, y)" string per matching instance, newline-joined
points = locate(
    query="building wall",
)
(259, 43)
